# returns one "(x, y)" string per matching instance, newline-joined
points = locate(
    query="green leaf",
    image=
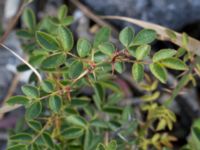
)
(72, 133)
(174, 63)
(101, 36)
(99, 123)
(30, 91)
(80, 101)
(138, 72)
(127, 113)
(35, 125)
(47, 41)
(18, 100)
(159, 72)
(99, 95)
(62, 12)
(145, 36)
(55, 103)
(83, 47)
(185, 39)
(142, 52)
(36, 60)
(163, 54)
(126, 36)
(112, 109)
(75, 69)
(99, 57)
(112, 145)
(151, 97)
(112, 85)
(53, 61)
(180, 52)
(67, 21)
(34, 110)
(24, 34)
(48, 140)
(171, 34)
(182, 82)
(161, 125)
(107, 48)
(18, 147)
(47, 86)
(66, 38)
(29, 19)
(77, 120)
(88, 139)
(21, 137)
(119, 67)
(100, 146)
(194, 140)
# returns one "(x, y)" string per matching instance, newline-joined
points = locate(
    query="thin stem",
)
(41, 131)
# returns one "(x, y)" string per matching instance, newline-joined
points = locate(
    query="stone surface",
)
(6, 58)
(171, 13)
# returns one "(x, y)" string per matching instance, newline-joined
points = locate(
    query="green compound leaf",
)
(72, 133)
(18, 100)
(163, 54)
(83, 47)
(29, 19)
(138, 72)
(30, 91)
(107, 48)
(142, 52)
(126, 36)
(47, 86)
(101, 36)
(66, 38)
(174, 63)
(55, 103)
(34, 110)
(159, 72)
(47, 41)
(77, 120)
(53, 61)
(75, 69)
(145, 36)
(62, 12)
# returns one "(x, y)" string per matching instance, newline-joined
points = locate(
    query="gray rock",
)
(6, 58)
(171, 13)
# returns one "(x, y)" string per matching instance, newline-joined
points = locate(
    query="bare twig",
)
(11, 88)
(193, 44)
(7, 108)
(15, 80)
(92, 16)
(24, 61)
(13, 22)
